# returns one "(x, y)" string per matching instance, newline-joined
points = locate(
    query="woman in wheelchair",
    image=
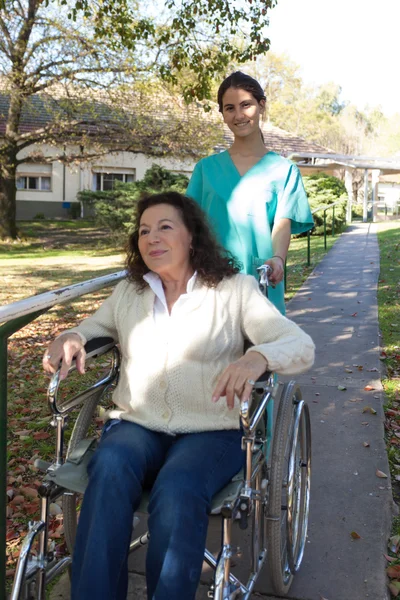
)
(181, 319)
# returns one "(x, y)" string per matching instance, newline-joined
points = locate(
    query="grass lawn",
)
(52, 255)
(389, 322)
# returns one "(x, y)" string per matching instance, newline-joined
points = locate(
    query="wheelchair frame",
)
(275, 498)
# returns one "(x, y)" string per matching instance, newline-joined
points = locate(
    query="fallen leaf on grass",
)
(394, 587)
(17, 500)
(29, 492)
(381, 474)
(41, 435)
(355, 535)
(369, 409)
(390, 558)
(393, 571)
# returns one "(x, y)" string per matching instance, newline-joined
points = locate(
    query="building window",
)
(37, 182)
(106, 181)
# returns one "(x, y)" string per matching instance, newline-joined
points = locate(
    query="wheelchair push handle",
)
(263, 273)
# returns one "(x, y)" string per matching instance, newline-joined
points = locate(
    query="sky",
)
(354, 43)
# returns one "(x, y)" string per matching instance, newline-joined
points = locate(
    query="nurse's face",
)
(241, 112)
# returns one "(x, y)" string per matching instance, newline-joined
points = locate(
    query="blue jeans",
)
(185, 471)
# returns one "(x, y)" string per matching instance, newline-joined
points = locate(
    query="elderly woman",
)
(181, 318)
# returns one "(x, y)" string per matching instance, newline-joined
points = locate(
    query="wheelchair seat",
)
(72, 476)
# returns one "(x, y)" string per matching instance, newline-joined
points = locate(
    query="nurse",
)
(255, 199)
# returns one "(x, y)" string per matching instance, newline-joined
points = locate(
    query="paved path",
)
(337, 306)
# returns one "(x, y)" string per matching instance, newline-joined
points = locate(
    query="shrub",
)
(322, 190)
(115, 209)
(74, 210)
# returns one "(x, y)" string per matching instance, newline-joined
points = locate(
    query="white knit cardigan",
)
(166, 384)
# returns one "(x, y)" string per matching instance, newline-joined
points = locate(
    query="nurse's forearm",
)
(281, 238)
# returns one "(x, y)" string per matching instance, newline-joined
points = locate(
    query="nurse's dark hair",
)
(241, 81)
(207, 257)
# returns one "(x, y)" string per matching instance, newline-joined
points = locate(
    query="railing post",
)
(308, 248)
(325, 229)
(333, 221)
(3, 463)
(6, 330)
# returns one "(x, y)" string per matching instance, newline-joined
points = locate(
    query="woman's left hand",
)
(277, 265)
(237, 377)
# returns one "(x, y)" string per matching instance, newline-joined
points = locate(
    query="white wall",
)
(80, 176)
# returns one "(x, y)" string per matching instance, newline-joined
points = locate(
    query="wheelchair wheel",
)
(79, 432)
(289, 489)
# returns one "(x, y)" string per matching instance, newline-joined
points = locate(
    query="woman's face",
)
(164, 241)
(241, 111)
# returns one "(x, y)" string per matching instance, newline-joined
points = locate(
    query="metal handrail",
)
(14, 317)
(49, 299)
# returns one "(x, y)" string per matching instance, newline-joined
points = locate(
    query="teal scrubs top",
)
(243, 209)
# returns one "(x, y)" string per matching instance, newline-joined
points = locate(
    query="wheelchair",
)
(269, 496)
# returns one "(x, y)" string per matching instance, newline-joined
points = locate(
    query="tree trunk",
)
(8, 195)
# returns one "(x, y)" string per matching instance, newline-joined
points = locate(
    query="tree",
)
(85, 67)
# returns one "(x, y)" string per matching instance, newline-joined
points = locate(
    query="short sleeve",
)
(293, 203)
(195, 187)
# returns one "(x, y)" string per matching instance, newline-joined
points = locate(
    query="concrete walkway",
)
(337, 306)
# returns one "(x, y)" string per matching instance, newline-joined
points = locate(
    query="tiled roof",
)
(281, 141)
(94, 116)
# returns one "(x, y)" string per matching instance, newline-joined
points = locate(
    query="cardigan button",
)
(166, 415)
(163, 385)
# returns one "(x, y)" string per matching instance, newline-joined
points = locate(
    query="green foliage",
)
(357, 211)
(171, 31)
(115, 209)
(323, 190)
(74, 210)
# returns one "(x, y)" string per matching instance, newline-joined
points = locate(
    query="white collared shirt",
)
(161, 314)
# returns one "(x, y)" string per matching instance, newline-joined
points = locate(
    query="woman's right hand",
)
(64, 349)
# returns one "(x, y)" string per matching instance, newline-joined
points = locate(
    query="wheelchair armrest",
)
(98, 346)
(262, 394)
(263, 378)
(94, 348)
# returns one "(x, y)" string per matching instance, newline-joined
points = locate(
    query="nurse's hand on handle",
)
(277, 265)
(64, 349)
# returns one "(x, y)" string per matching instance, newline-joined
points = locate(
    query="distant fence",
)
(324, 208)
